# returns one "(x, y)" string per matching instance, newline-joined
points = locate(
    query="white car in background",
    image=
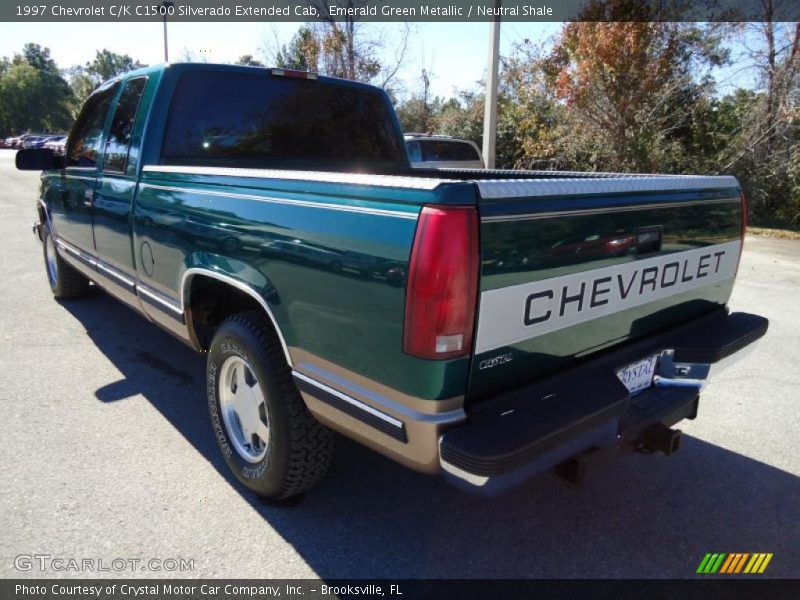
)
(442, 152)
(57, 144)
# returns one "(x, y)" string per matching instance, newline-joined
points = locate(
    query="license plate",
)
(639, 375)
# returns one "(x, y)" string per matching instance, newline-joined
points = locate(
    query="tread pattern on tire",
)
(71, 284)
(311, 444)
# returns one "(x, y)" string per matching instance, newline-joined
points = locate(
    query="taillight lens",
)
(442, 283)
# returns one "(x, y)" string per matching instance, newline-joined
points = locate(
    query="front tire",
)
(270, 441)
(65, 282)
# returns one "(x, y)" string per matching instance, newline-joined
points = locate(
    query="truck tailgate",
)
(573, 266)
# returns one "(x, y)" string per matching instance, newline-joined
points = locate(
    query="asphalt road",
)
(107, 453)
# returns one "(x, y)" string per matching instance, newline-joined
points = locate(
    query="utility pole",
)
(166, 7)
(490, 110)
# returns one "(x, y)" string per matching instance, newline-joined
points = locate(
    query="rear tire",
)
(65, 282)
(270, 441)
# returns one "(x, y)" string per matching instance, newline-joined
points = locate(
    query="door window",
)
(119, 136)
(85, 145)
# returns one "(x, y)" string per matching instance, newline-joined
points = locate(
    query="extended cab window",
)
(119, 136)
(271, 120)
(85, 146)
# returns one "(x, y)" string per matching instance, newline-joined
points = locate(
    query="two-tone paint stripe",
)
(361, 411)
(83, 257)
(117, 276)
(155, 299)
(146, 293)
(733, 563)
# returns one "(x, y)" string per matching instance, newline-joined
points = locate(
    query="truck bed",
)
(536, 228)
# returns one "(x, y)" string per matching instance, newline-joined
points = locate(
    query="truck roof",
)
(221, 67)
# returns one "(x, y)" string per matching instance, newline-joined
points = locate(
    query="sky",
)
(455, 53)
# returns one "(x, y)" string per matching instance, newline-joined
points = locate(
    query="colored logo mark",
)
(736, 562)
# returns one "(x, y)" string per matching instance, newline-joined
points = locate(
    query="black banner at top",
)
(397, 10)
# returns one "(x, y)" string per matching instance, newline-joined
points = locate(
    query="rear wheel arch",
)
(209, 297)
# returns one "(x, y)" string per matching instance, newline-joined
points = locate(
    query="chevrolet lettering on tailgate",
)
(558, 302)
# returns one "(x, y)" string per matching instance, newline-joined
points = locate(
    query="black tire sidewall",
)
(235, 339)
(56, 289)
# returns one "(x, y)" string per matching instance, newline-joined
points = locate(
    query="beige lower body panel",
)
(423, 420)
(110, 286)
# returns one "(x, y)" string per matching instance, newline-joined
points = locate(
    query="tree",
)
(343, 49)
(82, 85)
(33, 94)
(526, 111)
(419, 112)
(302, 52)
(766, 154)
(631, 88)
(249, 61)
(107, 65)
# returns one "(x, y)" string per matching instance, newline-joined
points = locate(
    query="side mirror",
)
(38, 159)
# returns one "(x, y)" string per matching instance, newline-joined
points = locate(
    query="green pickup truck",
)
(488, 325)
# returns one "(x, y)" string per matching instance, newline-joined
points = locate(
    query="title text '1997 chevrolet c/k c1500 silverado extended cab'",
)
(489, 325)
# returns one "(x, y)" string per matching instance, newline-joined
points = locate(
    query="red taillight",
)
(442, 283)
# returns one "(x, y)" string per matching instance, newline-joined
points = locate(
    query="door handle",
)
(88, 197)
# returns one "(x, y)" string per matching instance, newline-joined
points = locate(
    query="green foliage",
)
(638, 97)
(342, 49)
(302, 52)
(33, 94)
(36, 96)
(107, 65)
(248, 60)
(607, 96)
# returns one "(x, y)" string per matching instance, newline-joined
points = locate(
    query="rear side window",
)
(85, 146)
(272, 120)
(119, 136)
(440, 150)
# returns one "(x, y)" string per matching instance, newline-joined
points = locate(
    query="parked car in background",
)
(15, 141)
(442, 152)
(57, 144)
(37, 141)
(24, 139)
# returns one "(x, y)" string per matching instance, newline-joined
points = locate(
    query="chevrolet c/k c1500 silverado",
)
(490, 325)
